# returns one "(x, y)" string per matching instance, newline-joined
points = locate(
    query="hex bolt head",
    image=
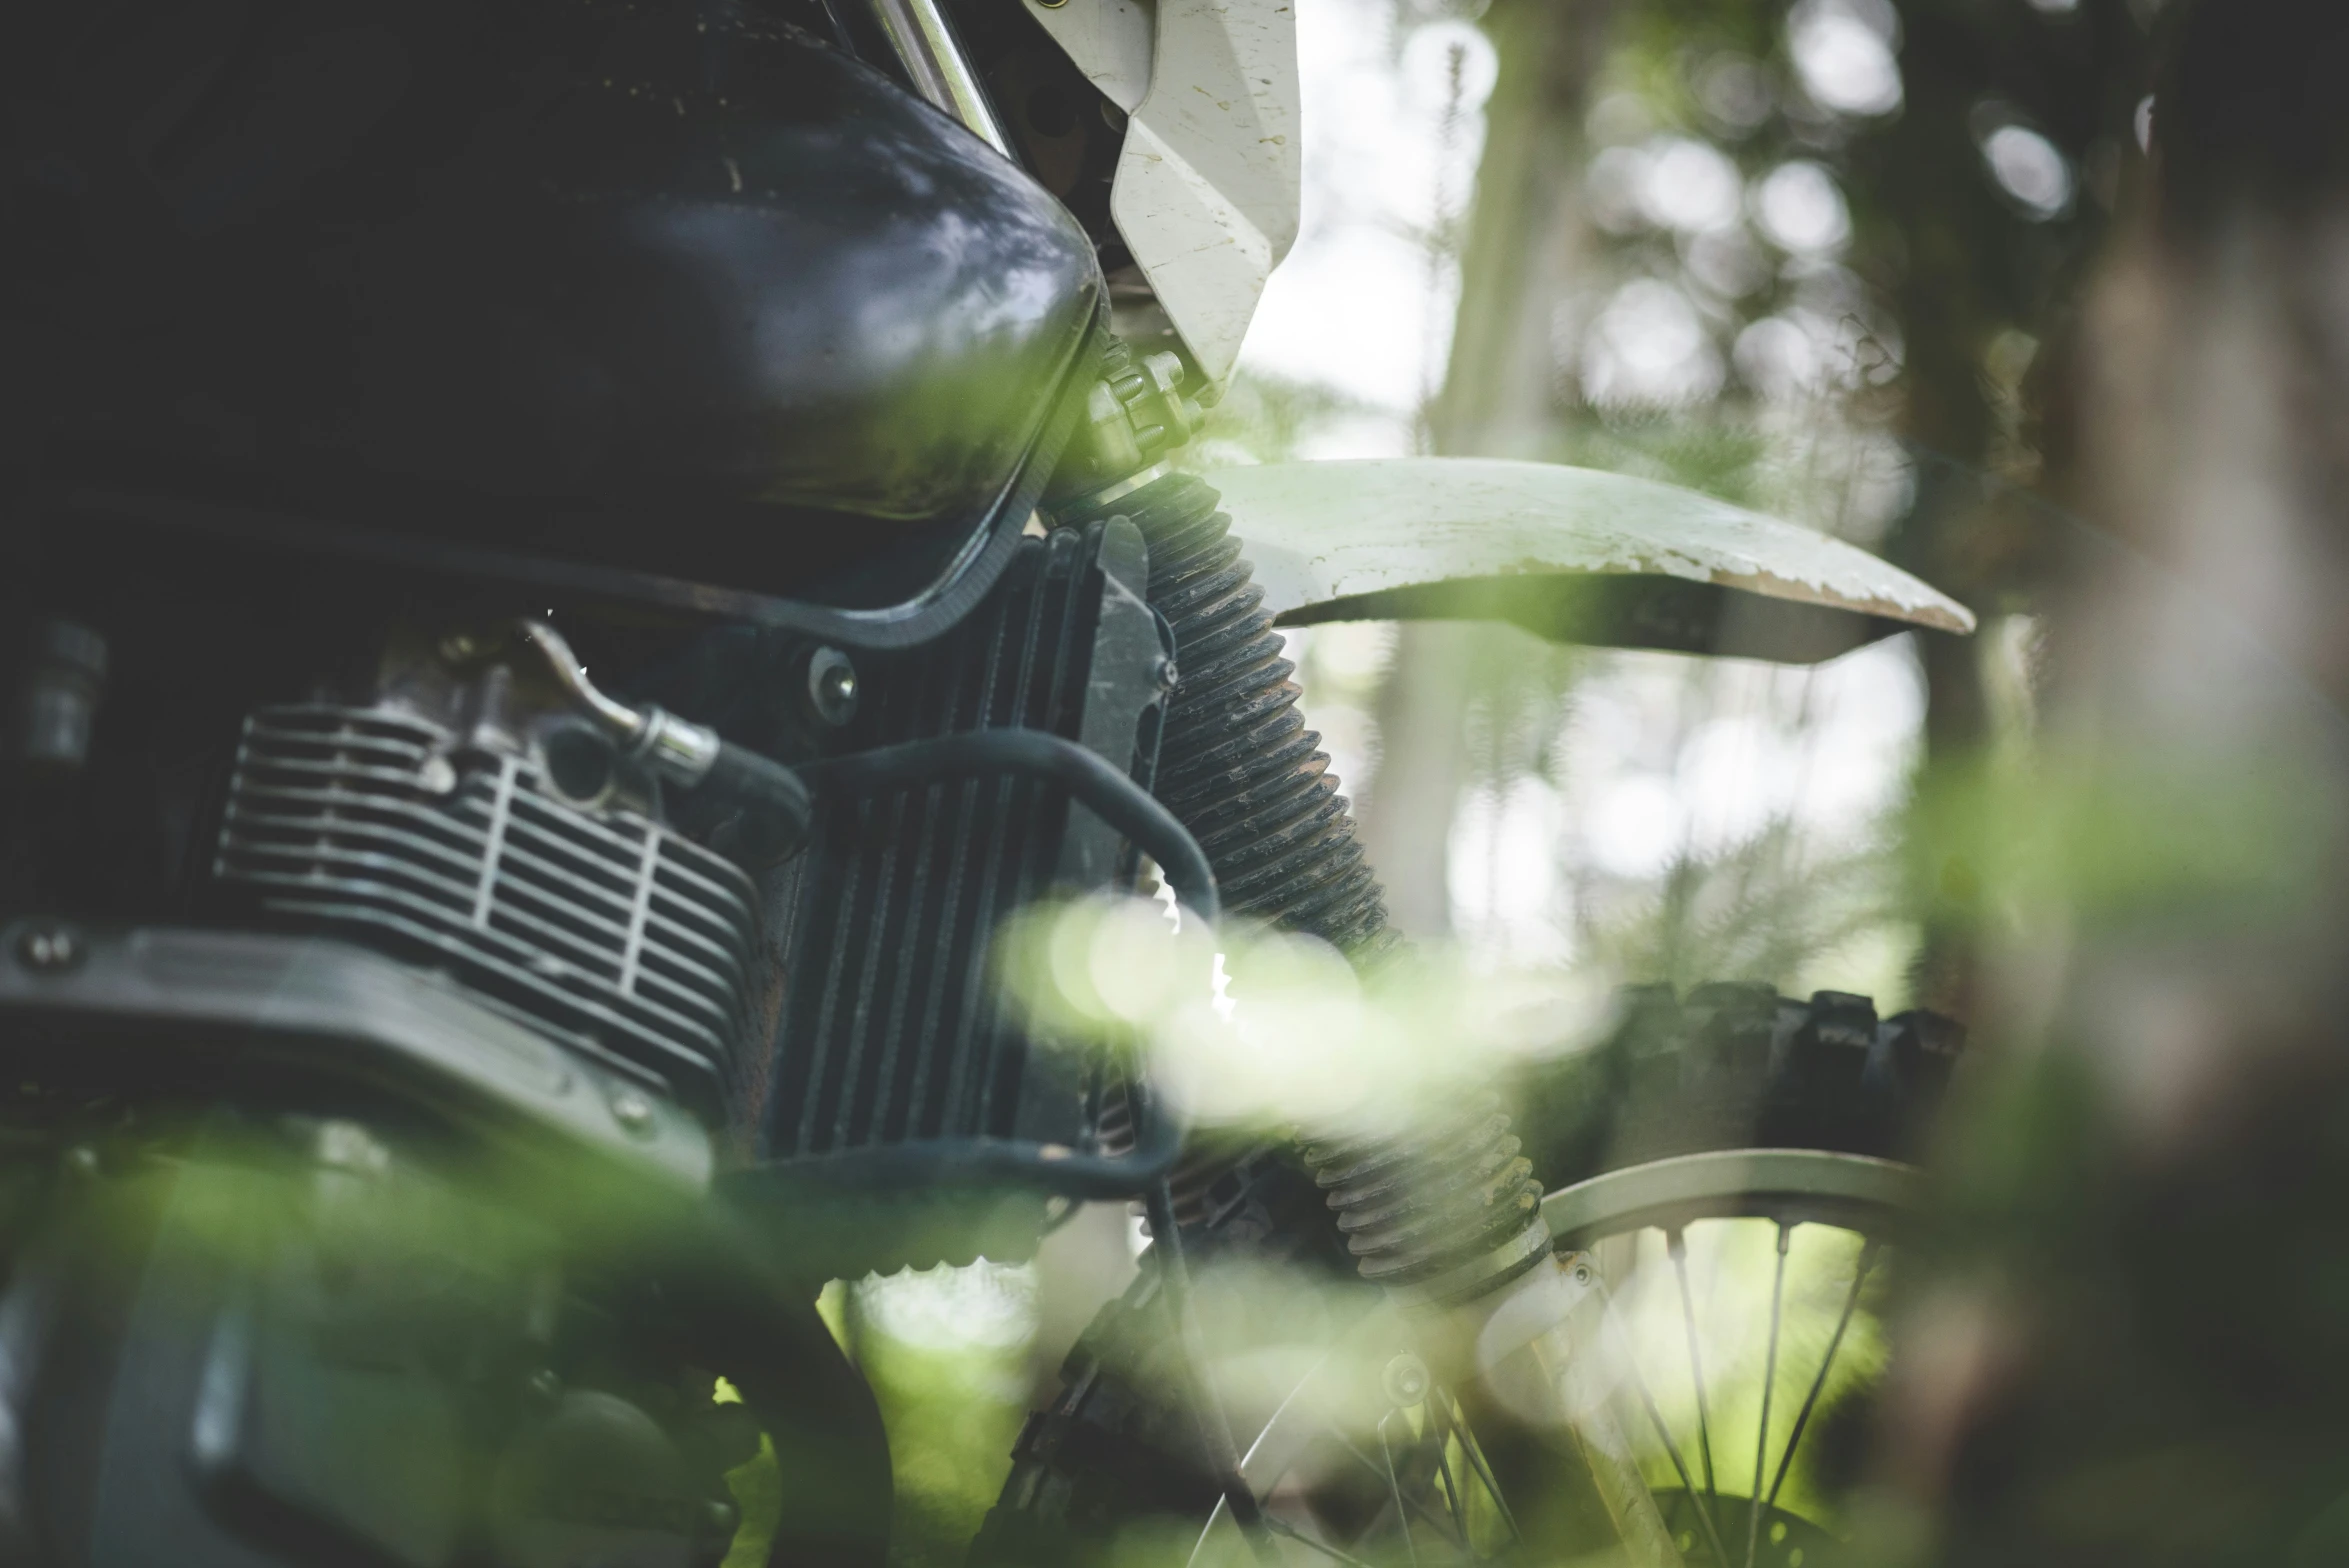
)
(49, 948)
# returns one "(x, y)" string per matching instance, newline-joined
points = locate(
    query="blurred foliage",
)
(1765, 909)
(1840, 300)
(2153, 841)
(1263, 418)
(952, 1413)
(951, 1401)
(1289, 1034)
(1730, 1264)
(1844, 311)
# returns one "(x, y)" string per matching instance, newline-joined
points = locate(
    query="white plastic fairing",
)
(1207, 186)
(1109, 40)
(1578, 555)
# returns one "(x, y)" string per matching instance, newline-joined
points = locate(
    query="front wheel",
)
(1733, 1233)
(1727, 1331)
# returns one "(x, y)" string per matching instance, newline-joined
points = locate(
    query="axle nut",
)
(1405, 1381)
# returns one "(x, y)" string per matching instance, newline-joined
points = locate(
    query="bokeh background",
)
(1825, 259)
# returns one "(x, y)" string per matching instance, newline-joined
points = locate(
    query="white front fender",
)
(1577, 555)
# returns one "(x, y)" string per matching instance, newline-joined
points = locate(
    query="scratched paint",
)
(1207, 188)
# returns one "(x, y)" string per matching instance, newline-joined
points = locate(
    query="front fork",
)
(1447, 1216)
(1543, 1344)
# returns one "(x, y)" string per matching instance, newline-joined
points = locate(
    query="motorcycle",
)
(574, 566)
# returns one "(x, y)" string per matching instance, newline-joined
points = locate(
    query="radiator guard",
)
(895, 1028)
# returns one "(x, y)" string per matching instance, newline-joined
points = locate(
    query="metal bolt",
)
(50, 948)
(82, 1160)
(1166, 367)
(721, 1517)
(457, 647)
(1405, 1380)
(632, 1111)
(832, 686)
(1167, 676)
(543, 1386)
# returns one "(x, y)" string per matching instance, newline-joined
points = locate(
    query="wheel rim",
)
(1642, 1214)
(1800, 1186)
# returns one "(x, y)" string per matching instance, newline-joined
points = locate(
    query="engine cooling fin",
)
(630, 940)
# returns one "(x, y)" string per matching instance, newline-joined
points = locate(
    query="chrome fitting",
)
(674, 750)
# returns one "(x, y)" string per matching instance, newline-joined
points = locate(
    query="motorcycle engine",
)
(461, 819)
(379, 1027)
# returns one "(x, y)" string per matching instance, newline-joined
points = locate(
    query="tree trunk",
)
(2130, 1350)
(1524, 235)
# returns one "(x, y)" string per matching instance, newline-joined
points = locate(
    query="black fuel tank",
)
(681, 272)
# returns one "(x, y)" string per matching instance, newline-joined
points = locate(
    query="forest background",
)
(2039, 299)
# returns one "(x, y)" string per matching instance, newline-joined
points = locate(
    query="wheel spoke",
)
(1215, 1430)
(1676, 1244)
(1753, 1516)
(1440, 1440)
(1394, 1485)
(1429, 1488)
(1610, 1323)
(1281, 1527)
(1383, 1473)
(1457, 1420)
(1802, 1417)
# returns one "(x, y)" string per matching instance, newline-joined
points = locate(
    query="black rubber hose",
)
(1237, 765)
(1240, 769)
(1418, 1206)
(774, 798)
(1120, 802)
